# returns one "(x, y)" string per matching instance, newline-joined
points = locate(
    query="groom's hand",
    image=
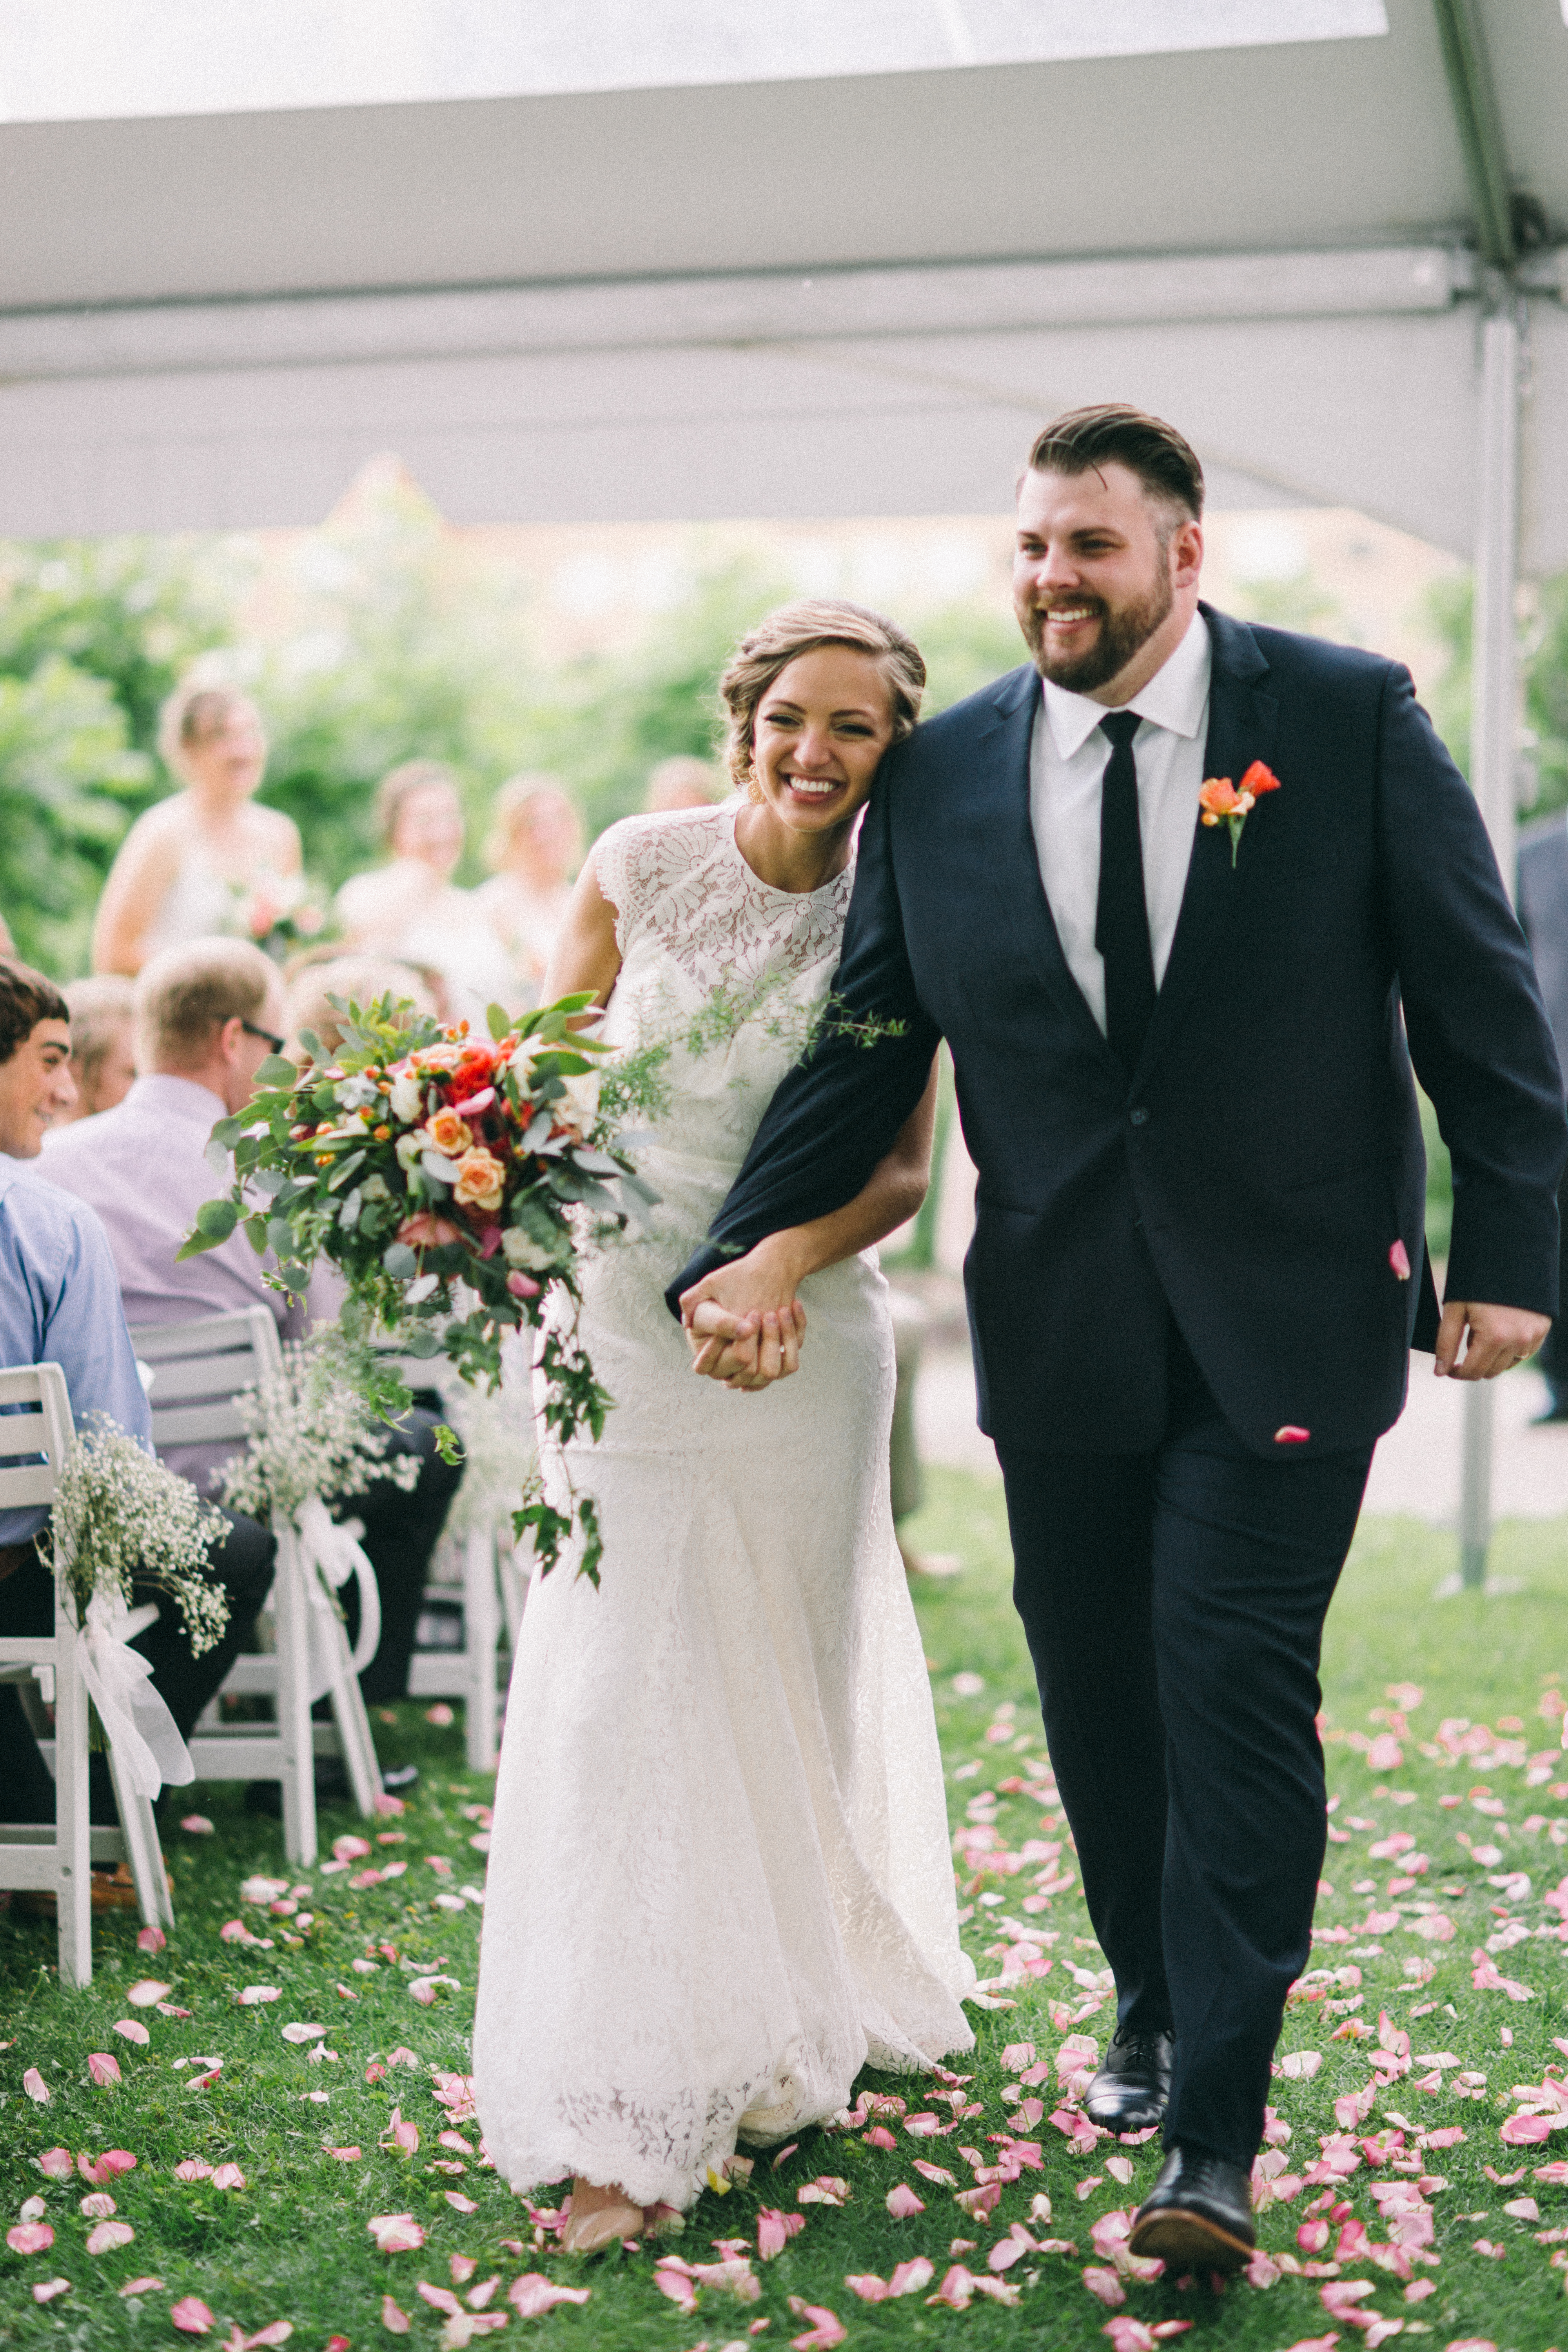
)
(1500, 1337)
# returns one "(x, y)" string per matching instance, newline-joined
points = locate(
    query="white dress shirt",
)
(1067, 760)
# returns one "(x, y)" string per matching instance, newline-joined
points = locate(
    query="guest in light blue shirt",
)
(59, 1303)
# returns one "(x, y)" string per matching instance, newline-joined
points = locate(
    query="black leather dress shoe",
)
(1131, 2090)
(1198, 2215)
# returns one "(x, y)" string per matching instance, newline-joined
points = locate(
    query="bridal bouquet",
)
(451, 1179)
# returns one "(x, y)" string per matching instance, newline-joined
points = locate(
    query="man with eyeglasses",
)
(59, 1304)
(208, 1016)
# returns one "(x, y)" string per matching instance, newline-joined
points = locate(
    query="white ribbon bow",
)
(144, 1735)
(331, 1553)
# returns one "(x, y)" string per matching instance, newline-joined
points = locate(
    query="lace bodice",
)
(722, 971)
(681, 884)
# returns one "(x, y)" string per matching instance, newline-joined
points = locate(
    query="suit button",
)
(1139, 1118)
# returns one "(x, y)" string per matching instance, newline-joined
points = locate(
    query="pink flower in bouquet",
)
(521, 1286)
(426, 1230)
(481, 1178)
(449, 1133)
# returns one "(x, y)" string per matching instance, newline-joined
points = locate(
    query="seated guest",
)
(103, 1061)
(59, 1303)
(206, 1018)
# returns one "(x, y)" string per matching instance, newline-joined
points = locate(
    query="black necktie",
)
(1122, 915)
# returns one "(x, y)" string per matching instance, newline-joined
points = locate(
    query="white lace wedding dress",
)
(719, 1879)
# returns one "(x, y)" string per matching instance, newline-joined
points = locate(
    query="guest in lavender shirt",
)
(59, 1303)
(207, 1015)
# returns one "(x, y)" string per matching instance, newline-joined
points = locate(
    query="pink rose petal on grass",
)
(197, 1826)
(54, 2163)
(1127, 2335)
(104, 2070)
(151, 1939)
(191, 2315)
(345, 2154)
(36, 2087)
(903, 2203)
(108, 2167)
(99, 2206)
(775, 2230)
(229, 2176)
(910, 2277)
(141, 2286)
(30, 2238)
(396, 2321)
(458, 2202)
(133, 2031)
(108, 2235)
(439, 1714)
(827, 2328)
(45, 2290)
(143, 1994)
(533, 2295)
(396, 2234)
(1106, 2284)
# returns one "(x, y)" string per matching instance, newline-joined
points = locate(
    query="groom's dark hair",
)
(1085, 438)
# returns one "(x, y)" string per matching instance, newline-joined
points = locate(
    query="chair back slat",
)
(35, 1434)
(200, 1368)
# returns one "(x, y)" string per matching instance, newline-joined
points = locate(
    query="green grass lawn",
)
(292, 2244)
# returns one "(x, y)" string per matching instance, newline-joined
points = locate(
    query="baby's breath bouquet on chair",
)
(451, 1179)
(119, 1514)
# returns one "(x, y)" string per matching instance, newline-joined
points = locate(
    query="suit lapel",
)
(1004, 751)
(1242, 721)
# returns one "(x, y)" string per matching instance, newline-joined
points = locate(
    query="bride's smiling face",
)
(818, 737)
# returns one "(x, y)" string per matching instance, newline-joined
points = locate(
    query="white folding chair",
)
(199, 1371)
(491, 1586)
(35, 1434)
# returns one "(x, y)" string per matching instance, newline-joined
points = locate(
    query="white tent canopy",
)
(846, 292)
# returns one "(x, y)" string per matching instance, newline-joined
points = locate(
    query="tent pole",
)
(1494, 735)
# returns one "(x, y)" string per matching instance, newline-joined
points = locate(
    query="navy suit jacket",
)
(1254, 1175)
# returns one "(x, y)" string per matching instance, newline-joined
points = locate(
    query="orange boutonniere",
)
(1220, 799)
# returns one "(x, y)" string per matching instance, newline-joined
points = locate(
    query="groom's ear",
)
(1186, 551)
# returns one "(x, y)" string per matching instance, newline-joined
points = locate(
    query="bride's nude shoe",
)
(600, 2225)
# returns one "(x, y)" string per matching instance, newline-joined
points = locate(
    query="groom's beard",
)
(1121, 632)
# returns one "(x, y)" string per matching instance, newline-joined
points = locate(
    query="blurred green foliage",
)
(1544, 642)
(93, 635)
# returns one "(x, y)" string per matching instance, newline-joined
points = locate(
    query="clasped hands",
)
(743, 1323)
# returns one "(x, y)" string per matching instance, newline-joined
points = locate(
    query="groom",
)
(1183, 1041)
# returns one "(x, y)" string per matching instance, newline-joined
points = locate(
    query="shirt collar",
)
(1175, 698)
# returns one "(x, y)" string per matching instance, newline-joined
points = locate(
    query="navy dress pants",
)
(1173, 1603)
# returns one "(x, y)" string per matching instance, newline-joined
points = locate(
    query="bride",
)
(719, 1880)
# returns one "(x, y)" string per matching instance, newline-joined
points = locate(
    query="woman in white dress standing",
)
(191, 864)
(719, 1879)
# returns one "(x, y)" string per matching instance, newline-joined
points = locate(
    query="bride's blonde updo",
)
(781, 636)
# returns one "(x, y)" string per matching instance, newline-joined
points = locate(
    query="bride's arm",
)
(744, 1323)
(586, 955)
